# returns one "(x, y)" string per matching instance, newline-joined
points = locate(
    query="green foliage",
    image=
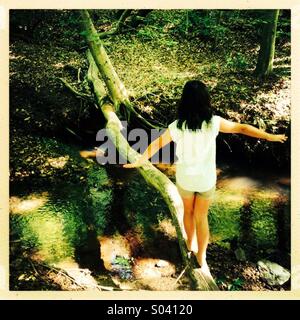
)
(122, 261)
(70, 208)
(237, 284)
(100, 196)
(236, 62)
(230, 285)
(151, 33)
(209, 27)
(148, 33)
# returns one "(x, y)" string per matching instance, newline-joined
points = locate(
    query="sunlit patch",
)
(230, 197)
(81, 277)
(269, 194)
(148, 268)
(239, 184)
(33, 202)
(15, 57)
(38, 256)
(58, 163)
(282, 59)
(235, 115)
(67, 263)
(52, 242)
(281, 66)
(58, 65)
(251, 271)
(165, 226)
(111, 247)
(147, 109)
(278, 104)
(219, 239)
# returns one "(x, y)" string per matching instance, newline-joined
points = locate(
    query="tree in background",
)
(264, 64)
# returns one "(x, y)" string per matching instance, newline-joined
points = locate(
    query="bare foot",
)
(204, 267)
(202, 261)
(192, 246)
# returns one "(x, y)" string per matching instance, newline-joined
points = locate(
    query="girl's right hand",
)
(136, 164)
(277, 138)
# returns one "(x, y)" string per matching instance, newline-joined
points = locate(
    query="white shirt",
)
(196, 153)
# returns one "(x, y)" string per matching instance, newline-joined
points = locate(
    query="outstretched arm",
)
(248, 130)
(157, 144)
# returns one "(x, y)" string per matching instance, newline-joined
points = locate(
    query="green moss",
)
(100, 196)
(78, 194)
(144, 208)
(263, 222)
(224, 216)
(53, 230)
(254, 227)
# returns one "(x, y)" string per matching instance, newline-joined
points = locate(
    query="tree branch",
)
(118, 27)
(77, 93)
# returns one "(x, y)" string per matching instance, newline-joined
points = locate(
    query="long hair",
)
(194, 106)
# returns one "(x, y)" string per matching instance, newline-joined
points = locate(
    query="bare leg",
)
(202, 228)
(189, 222)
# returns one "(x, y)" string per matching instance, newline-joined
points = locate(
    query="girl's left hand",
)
(277, 138)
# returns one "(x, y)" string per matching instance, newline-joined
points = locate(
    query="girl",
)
(195, 132)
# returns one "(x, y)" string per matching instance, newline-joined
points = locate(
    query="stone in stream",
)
(273, 273)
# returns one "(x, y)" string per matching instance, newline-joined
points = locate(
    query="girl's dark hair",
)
(194, 106)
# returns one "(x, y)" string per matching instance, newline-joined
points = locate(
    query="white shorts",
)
(209, 194)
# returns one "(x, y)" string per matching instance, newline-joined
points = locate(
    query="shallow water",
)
(125, 228)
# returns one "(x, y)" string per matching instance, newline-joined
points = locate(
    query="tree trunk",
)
(117, 90)
(115, 87)
(152, 175)
(267, 45)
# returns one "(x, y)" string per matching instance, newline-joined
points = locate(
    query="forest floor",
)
(154, 64)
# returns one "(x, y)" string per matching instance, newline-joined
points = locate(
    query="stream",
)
(121, 234)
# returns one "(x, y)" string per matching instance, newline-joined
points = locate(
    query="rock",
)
(161, 264)
(240, 254)
(273, 273)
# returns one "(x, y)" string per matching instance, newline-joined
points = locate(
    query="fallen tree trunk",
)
(116, 88)
(152, 175)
